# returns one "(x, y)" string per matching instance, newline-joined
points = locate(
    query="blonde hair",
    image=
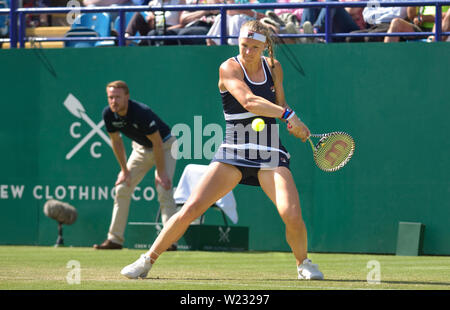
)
(119, 84)
(258, 27)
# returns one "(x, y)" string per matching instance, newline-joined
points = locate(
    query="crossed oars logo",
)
(76, 108)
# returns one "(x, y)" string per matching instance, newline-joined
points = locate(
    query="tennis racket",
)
(333, 151)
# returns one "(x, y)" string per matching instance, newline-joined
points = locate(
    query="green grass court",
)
(45, 268)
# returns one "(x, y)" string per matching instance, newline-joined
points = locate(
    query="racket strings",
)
(333, 151)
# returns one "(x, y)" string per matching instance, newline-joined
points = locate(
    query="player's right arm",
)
(119, 151)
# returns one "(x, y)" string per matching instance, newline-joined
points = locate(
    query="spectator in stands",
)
(378, 20)
(42, 20)
(156, 22)
(284, 22)
(114, 15)
(297, 11)
(356, 14)
(235, 19)
(313, 21)
(416, 21)
(197, 22)
(445, 21)
(176, 23)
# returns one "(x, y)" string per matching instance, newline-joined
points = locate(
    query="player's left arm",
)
(161, 176)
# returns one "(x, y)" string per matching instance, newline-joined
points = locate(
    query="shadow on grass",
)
(392, 282)
(315, 281)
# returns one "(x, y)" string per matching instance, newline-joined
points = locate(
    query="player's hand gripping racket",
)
(333, 151)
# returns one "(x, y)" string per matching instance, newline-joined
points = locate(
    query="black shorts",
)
(250, 167)
(250, 174)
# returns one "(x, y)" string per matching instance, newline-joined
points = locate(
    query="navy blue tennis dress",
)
(244, 148)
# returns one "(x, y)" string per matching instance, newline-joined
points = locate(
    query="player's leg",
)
(218, 180)
(279, 186)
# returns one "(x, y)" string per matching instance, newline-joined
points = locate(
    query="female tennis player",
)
(251, 86)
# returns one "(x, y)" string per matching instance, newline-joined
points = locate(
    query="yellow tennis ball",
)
(258, 124)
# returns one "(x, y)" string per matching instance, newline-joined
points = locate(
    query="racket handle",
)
(312, 144)
(316, 135)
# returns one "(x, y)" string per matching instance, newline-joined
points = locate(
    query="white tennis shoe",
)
(309, 271)
(138, 269)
